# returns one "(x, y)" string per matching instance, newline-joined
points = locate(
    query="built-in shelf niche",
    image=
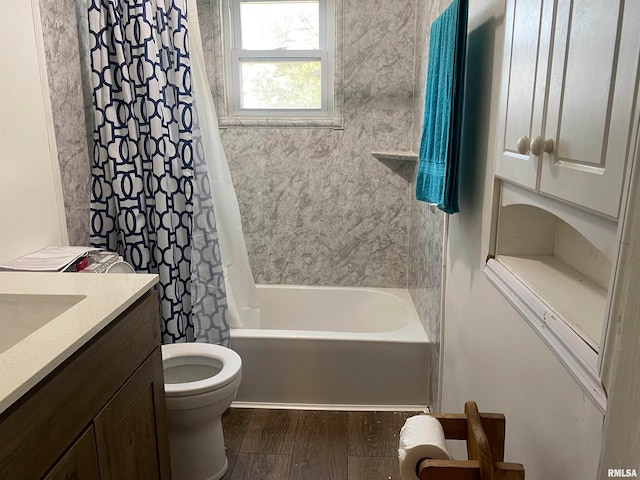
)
(558, 264)
(406, 156)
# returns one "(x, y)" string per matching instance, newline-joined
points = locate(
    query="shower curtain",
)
(242, 296)
(152, 193)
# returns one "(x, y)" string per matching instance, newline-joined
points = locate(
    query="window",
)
(280, 59)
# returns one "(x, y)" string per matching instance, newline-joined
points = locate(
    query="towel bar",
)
(484, 433)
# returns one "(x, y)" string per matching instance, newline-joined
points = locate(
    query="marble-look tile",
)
(82, 7)
(312, 218)
(425, 279)
(426, 12)
(209, 33)
(426, 223)
(317, 207)
(210, 21)
(63, 67)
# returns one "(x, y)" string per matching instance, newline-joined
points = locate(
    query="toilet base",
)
(197, 451)
(221, 473)
(195, 401)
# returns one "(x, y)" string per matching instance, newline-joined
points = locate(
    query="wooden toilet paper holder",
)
(484, 433)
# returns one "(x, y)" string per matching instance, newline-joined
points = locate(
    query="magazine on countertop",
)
(49, 259)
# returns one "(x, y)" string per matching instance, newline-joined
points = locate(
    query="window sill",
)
(301, 122)
(572, 351)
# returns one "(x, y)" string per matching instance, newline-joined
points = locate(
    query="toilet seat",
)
(200, 354)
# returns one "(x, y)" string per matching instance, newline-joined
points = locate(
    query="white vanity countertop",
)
(106, 296)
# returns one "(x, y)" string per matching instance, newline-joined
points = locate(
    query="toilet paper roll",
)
(420, 437)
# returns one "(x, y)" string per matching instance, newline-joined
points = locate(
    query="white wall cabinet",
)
(567, 101)
(522, 98)
(567, 130)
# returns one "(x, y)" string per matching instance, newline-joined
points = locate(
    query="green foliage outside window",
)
(282, 85)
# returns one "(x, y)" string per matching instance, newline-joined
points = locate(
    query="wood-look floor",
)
(311, 444)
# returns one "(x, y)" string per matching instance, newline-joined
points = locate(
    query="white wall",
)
(31, 214)
(490, 354)
(621, 362)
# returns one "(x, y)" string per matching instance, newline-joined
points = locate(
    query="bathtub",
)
(334, 347)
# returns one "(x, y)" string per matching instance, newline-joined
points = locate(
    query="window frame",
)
(234, 55)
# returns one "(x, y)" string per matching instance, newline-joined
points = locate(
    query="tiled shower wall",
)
(317, 207)
(60, 31)
(427, 223)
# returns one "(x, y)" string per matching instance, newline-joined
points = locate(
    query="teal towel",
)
(437, 179)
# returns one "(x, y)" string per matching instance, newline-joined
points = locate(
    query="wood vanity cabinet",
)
(80, 461)
(99, 415)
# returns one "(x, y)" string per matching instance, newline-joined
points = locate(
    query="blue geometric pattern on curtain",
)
(150, 198)
(208, 292)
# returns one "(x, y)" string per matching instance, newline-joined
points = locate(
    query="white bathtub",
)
(334, 347)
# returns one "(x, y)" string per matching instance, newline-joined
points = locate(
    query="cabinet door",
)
(131, 430)
(591, 98)
(525, 63)
(80, 461)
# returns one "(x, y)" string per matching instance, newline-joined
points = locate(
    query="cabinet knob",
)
(539, 145)
(523, 145)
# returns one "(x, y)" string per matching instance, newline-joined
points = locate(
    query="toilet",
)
(201, 381)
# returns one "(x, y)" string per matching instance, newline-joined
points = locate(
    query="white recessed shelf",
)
(577, 299)
(553, 263)
(558, 264)
(396, 155)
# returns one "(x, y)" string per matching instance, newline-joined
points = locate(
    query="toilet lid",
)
(214, 367)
